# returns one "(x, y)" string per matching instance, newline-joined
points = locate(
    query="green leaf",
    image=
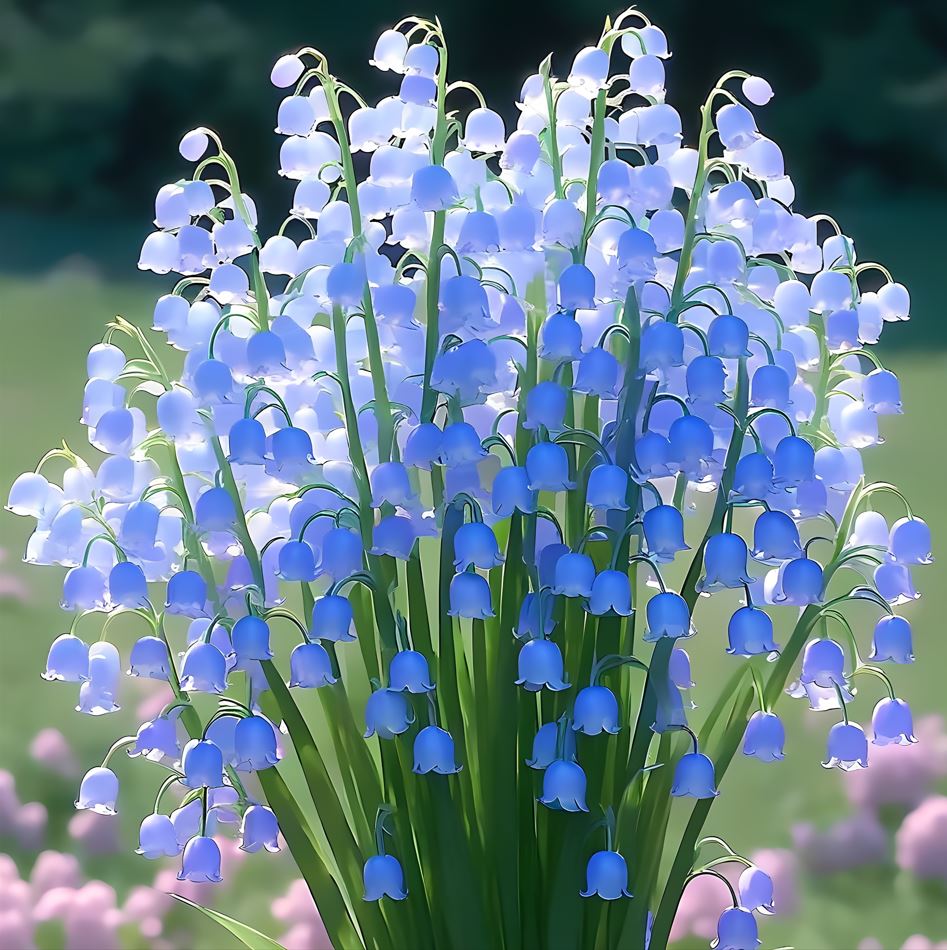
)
(246, 935)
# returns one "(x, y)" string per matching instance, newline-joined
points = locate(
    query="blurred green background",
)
(93, 98)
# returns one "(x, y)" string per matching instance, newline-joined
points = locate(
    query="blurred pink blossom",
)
(31, 826)
(702, 902)
(782, 865)
(51, 749)
(98, 834)
(92, 918)
(54, 869)
(147, 906)
(921, 841)
(850, 843)
(11, 586)
(901, 775)
(157, 696)
(306, 929)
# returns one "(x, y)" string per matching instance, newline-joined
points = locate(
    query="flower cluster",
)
(447, 424)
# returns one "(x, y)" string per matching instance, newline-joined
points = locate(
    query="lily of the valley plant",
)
(433, 485)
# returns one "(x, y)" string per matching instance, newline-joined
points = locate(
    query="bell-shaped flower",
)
(694, 777)
(847, 747)
(577, 288)
(892, 722)
(383, 877)
(560, 338)
(247, 442)
(892, 641)
(433, 188)
(737, 929)
(259, 830)
(187, 594)
(910, 541)
(753, 478)
(728, 337)
(652, 457)
(536, 616)
(636, 252)
(215, 510)
(564, 785)
(793, 462)
(423, 446)
(606, 876)
(595, 711)
(668, 616)
(547, 468)
(157, 839)
(545, 407)
(28, 495)
(475, 545)
(251, 640)
(611, 593)
(705, 380)
(127, 586)
(799, 582)
(607, 488)
(332, 619)
(575, 575)
(97, 694)
(765, 737)
(204, 669)
(409, 671)
(156, 739)
(341, 553)
(149, 658)
(310, 666)
(202, 763)
(691, 442)
(664, 532)
(823, 664)
(286, 70)
(484, 131)
(599, 374)
(394, 535)
(98, 791)
(881, 392)
(201, 861)
(770, 387)
(387, 714)
(434, 752)
(544, 746)
(254, 742)
(390, 483)
(460, 444)
(297, 562)
(512, 492)
(68, 660)
(83, 589)
(750, 632)
(470, 596)
(291, 450)
(662, 347)
(894, 583)
(775, 537)
(724, 563)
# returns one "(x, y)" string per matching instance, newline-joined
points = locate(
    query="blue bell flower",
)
(394, 535)
(536, 616)
(297, 562)
(341, 553)
(470, 596)
(737, 930)
(434, 752)
(83, 589)
(221, 732)
(139, 529)
(149, 658)
(204, 669)
(756, 890)
(460, 444)
(679, 668)
(577, 288)
(156, 739)
(611, 593)
(652, 457)
(882, 392)
(251, 639)
(670, 714)
(910, 541)
(547, 467)
(479, 234)
(387, 713)
(423, 446)
(636, 254)
(847, 747)
(310, 666)
(390, 483)
(765, 737)
(291, 449)
(512, 493)
(68, 660)
(201, 861)
(383, 876)
(752, 478)
(545, 407)
(254, 742)
(545, 744)
(775, 537)
(98, 791)
(793, 462)
(475, 545)
(823, 664)
(433, 188)
(540, 665)
(564, 785)
(265, 354)
(409, 671)
(664, 532)
(215, 510)
(575, 574)
(213, 382)
(662, 347)
(187, 594)
(606, 876)
(769, 387)
(668, 616)
(549, 559)
(156, 838)
(595, 711)
(247, 442)
(203, 764)
(892, 722)
(694, 777)
(599, 374)
(464, 304)
(724, 564)
(332, 619)
(892, 641)
(344, 284)
(560, 338)
(97, 694)
(894, 583)
(728, 337)
(607, 488)
(259, 830)
(691, 442)
(800, 582)
(187, 821)
(750, 632)
(705, 379)
(127, 586)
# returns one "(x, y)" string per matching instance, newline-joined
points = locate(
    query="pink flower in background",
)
(850, 843)
(54, 869)
(97, 834)
(26, 823)
(16, 927)
(901, 775)
(11, 586)
(306, 929)
(51, 749)
(921, 841)
(92, 918)
(702, 902)
(917, 942)
(782, 865)
(147, 906)
(157, 696)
